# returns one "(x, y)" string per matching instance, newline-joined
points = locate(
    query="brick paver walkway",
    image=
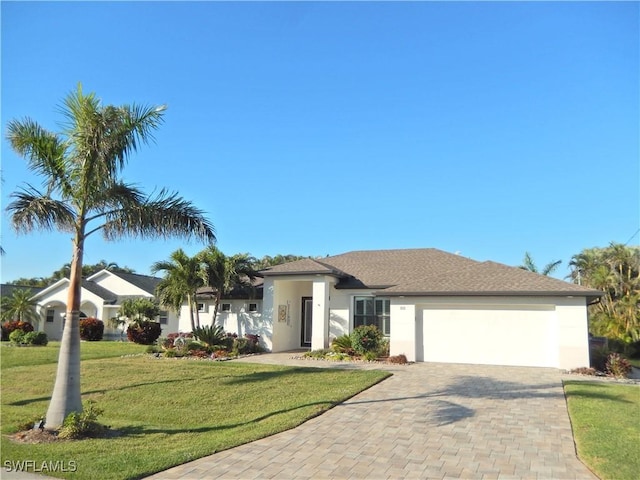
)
(428, 421)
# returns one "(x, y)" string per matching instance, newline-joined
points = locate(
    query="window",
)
(50, 314)
(164, 317)
(253, 307)
(201, 307)
(372, 311)
(226, 307)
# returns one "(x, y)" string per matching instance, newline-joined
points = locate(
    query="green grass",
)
(13, 356)
(167, 411)
(635, 362)
(606, 427)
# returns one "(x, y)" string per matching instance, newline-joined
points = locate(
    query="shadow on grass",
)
(594, 391)
(20, 403)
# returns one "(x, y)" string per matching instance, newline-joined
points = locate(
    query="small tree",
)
(20, 307)
(140, 314)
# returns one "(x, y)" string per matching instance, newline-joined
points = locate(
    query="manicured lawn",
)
(606, 427)
(167, 411)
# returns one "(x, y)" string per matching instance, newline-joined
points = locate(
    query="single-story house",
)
(101, 297)
(433, 306)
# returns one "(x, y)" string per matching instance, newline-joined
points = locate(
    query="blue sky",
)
(488, 129)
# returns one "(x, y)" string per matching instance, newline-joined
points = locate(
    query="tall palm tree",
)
(19, 306)
(223, 273)
(84, 194)
(183, 277)
(530, 265)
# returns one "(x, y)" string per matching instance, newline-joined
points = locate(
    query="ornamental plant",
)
(144, 333)
(8, 327)
(618, 366)
(91, 329)
(366, 338)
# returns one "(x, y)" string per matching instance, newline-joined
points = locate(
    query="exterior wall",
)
(403, 338)
(573, 333)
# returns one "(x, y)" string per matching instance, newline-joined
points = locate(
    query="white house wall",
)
(117, 285)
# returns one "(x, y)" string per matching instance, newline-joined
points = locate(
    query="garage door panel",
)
(490, 335)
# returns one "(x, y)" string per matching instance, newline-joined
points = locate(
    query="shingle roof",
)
(6, 290)
(107, 295)
(428, 271)
(145, 282)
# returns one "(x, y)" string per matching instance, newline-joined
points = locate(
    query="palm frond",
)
(44, 151)
(30, 210)
(164, 215)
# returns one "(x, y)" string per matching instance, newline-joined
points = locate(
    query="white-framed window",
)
(226, 307)
(164, 317)
(201, 307)
(253, 307)
(372, 311)
(50, 315)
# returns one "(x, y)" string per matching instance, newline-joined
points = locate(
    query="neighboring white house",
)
(433, 306)
(102, 295)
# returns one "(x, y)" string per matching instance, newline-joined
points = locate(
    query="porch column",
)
(403, 329)
(320, 319)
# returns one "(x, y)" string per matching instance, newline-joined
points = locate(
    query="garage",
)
(517, 335)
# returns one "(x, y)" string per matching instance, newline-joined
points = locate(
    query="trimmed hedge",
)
(144, 332)
(91, 329)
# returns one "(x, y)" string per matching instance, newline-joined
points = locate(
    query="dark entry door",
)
(307, 315)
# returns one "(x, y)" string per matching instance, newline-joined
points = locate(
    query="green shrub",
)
(151, 349)
(342, 344)
(618, 366)
(144, 332)
(17, 336)
(35, 338)
(210, 335)
(91, 329)
(370, 356)
(321, 353)
(8, 327)
(366, 338)
(83, 424)
(170, 353)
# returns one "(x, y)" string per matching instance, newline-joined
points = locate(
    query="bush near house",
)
(91, 329)
(8, 327)
(366, 339)
(30, 338)
(144, 332)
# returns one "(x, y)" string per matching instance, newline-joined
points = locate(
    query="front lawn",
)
(606, 427)
(165, 411)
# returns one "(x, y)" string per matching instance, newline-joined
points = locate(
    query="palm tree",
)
(223, 273)
(529, 264)
(83, 195)
(183, 277)
(19, 306)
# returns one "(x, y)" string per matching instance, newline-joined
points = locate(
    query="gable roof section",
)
(144, 282)
(6, 289)
(428, 272)
(108, 296)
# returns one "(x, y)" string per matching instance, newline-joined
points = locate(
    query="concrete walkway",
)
(428, 421)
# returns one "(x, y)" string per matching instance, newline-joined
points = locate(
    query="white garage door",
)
(491, 335)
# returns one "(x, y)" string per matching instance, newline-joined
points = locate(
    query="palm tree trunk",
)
(190, 302)
(66, 396)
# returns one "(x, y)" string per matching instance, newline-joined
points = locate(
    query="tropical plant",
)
(366, 339)
(224, 273)
(84, 194)
(91, 329)
(19, 306)
(182, 278)
(342, 344)
(614, 270)
(530, 265)
(210, 335)
(9, 327)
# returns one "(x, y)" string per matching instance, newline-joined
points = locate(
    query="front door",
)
(307, 315)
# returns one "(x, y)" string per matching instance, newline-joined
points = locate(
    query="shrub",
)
(144, 332)
(366, 338)
(342, 344)
(17, 336)
(242, 346)
(584, 371)
(91, 329)
(211, 335)
(618, 366)
(400, 359)
(8, 327)
(83, 424)
(35, 338)
(317, 353)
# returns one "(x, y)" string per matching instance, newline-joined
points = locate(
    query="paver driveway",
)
(426, 421)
